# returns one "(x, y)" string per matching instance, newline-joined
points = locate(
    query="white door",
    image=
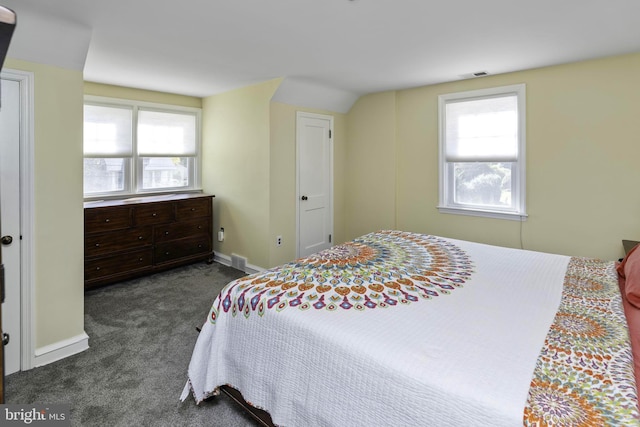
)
(10, 218)
(315, 182)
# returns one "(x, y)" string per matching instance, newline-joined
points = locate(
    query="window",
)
(135, 147)
(482, 152)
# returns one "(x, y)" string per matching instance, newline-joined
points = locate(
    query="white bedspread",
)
(462, 358)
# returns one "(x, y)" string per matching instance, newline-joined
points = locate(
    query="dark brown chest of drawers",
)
(124, 239)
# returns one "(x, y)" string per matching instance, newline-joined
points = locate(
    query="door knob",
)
(6, 240)
(304, 197)
(5, 338)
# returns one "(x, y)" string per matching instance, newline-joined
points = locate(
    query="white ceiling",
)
(204, 47)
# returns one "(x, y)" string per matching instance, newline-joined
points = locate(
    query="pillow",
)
(629, 270)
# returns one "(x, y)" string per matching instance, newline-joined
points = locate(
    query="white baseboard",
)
(226, 260)
(60, 350)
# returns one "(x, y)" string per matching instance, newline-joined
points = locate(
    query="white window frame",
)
(446, 202)
(133, 164)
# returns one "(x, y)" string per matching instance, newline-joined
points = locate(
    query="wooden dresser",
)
(134, 237)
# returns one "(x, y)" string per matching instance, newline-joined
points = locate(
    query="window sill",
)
(125, 196)
(511, 216)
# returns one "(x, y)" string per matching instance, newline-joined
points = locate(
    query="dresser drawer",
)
(115, 264)
(193, 208)
(105, 219)
(104, 243)
(181, 230)
(182, 248)
(153, 213)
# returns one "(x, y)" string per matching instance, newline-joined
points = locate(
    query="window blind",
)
(107, 131)
(166, 134)
(482, 130)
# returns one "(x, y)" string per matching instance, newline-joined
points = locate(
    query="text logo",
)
(35, 415)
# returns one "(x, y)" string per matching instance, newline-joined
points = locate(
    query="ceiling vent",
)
(476, 74)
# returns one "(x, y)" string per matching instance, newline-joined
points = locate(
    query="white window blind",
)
(107, 131)
(166, 134)
(482, 130)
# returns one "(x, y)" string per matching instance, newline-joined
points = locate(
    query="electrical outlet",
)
(278, 240)
(221, 235)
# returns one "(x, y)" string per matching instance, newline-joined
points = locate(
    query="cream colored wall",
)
(583, 143)
(283, 179)
(371, 165)
(111, 91)
(58, 210)
(235, 167)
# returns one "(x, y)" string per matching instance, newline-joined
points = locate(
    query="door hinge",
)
(329, 133)
(329, 238)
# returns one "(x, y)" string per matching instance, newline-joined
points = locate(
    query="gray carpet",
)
(141, 335)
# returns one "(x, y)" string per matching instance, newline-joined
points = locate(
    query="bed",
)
(398, 328)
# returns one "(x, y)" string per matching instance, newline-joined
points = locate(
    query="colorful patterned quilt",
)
(582, 376)
(398, 328)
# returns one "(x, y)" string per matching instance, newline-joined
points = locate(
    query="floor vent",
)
(238, 262)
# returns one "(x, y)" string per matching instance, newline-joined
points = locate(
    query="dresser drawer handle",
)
(140, 259)
(166, 233)
(107, 220)
(200, 246)
(97, 268)
(166, 253)
(140, 237)
(199, 227)
(193, 209)
(97, 245)
(154, 214)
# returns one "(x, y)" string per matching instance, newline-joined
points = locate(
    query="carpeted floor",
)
(141, 335)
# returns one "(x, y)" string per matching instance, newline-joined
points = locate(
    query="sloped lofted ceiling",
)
(342, 48)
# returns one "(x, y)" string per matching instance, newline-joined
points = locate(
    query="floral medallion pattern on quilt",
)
(586, 365)
(378, 270)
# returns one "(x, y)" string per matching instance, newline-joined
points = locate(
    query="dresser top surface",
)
(144, 199)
